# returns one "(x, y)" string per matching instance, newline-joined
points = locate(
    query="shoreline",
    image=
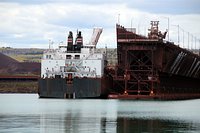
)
(18, 87)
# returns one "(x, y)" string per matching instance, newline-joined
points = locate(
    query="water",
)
(26, 113)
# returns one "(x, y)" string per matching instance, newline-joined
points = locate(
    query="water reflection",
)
(126, 125)
(74, 121)
(77, 124)
(35, 115)
(80, 121)
(19, 123)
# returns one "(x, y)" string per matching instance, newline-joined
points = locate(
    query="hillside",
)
(23, 54)
(10, 66)
(34, 55)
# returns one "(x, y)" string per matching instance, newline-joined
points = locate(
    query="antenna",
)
(138, 28)
(167, 26)
(199, 47)
(195, 42)
(131, 22)
(119, 18)
(188, 40)
(49, 43)
(178, 38)
(106, 51)
(192, 42)
(183, 37)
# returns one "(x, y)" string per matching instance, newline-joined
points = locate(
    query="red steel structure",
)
(149, 67)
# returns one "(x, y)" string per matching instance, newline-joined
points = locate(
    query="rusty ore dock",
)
(152, 68)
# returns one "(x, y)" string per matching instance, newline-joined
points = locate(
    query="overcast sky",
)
(32, 23)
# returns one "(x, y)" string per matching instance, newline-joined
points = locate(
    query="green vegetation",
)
(3, 48)
(23, 54)
(26, 57)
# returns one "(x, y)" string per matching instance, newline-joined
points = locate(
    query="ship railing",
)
(73, 51)
(137, 40)
(83, 74)
(49, 51)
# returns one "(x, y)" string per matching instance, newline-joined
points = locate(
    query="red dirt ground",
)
(11, 66)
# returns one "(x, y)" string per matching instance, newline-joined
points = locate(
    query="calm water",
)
(26, 113)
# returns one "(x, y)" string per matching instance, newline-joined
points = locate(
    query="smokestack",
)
(70, 42)
(78, 42)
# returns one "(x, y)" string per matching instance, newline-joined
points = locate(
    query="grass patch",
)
(27, 58)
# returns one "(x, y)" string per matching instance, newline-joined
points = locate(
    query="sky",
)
(32, 23)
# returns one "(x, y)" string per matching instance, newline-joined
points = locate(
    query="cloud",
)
(33, 23)
(4, 44)
(166, 7)
(153, 6)
(27, 24)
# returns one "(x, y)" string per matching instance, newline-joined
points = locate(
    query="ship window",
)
(68, 56)
(77, 56)
(48, 56)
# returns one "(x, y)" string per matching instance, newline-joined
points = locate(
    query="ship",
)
(74, 70)
(149, 67)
